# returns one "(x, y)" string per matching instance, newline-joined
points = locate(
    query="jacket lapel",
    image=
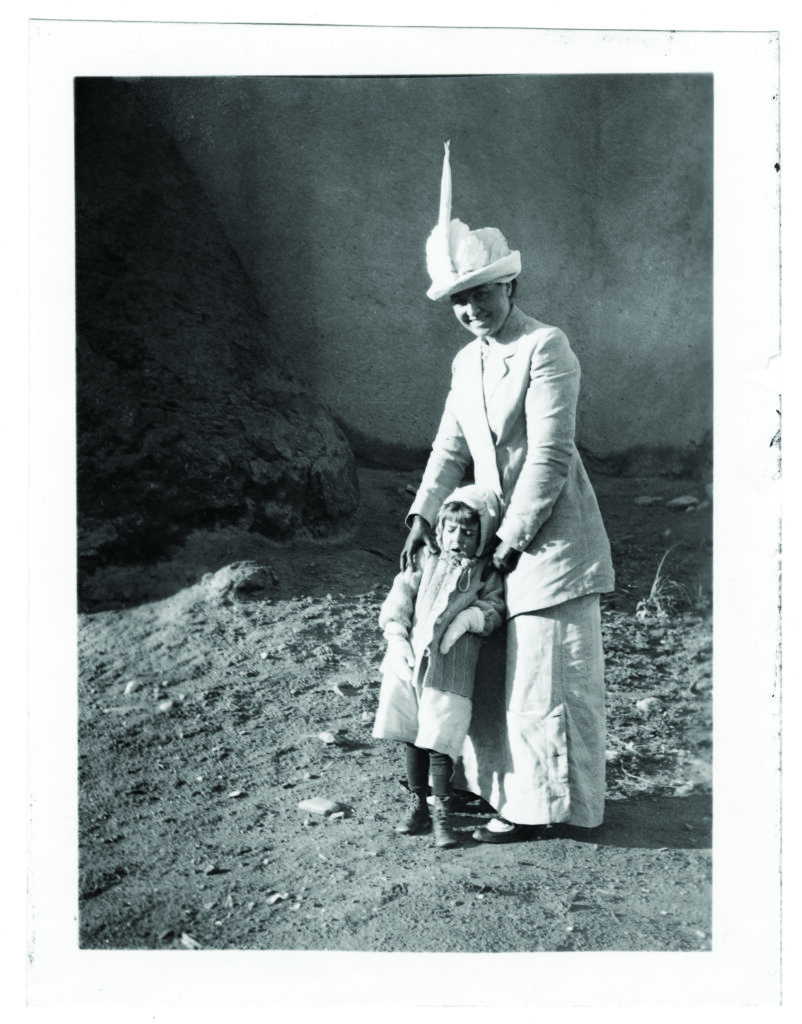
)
(504, 368)
(476, 424)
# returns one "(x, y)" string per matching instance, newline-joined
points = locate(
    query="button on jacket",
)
(518, 432)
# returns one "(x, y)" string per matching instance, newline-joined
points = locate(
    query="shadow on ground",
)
(645, 823)
(673, 823)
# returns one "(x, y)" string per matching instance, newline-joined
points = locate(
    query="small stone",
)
(684, 501)
(236, 793)
(327, 737)
(649, 705)
(214, 869)
(189, 943)
(276, 897)
(165, 705)
(343, 689)
(646, 499)
(320, 805)
(131, 685)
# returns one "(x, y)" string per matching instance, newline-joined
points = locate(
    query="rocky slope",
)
(185, 417)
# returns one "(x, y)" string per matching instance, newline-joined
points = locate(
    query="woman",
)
(535, 751)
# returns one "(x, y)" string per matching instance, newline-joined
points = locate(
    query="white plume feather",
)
(445, 189)
(439, 245)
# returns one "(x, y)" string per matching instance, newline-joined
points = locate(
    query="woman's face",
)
(483, 309)
(460, 536)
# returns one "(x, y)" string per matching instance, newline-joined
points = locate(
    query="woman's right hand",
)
(420, 535)
(505, 558)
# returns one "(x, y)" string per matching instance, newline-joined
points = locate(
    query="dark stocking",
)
(417, 762)
(442, 770)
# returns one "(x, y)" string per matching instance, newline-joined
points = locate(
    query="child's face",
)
(460, 536)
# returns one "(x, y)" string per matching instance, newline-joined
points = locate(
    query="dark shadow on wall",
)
(186, 416)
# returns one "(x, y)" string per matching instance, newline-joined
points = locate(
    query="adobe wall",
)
(328, 188)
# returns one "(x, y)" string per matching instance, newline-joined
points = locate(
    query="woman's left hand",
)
(505, 558)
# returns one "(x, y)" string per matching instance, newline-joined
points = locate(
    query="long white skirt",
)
(535, 747)
(431, 719)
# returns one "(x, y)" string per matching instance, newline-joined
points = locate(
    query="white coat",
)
(535, 748)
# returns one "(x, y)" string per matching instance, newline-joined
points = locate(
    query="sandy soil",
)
(222, 687)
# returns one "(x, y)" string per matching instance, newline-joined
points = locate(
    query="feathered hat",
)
(458, 258)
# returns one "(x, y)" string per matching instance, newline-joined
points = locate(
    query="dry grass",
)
(665, 598)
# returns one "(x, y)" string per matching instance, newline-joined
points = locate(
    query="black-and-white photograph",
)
(260, 375)
(397, 504)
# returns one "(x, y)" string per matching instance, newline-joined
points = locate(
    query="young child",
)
(433, 619)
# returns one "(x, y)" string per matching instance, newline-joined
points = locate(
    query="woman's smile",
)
(483, 310)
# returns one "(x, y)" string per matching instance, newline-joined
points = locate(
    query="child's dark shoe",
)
(441, 821)
(417, 818)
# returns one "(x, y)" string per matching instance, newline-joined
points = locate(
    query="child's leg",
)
(417, 764)
(417, 818)
(442, 768)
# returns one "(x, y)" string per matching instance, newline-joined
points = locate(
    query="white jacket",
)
(520, 439)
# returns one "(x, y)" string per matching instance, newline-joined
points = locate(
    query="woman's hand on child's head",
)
(471, 620)
(420, 535)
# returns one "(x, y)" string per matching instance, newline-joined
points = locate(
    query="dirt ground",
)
(215, 696)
